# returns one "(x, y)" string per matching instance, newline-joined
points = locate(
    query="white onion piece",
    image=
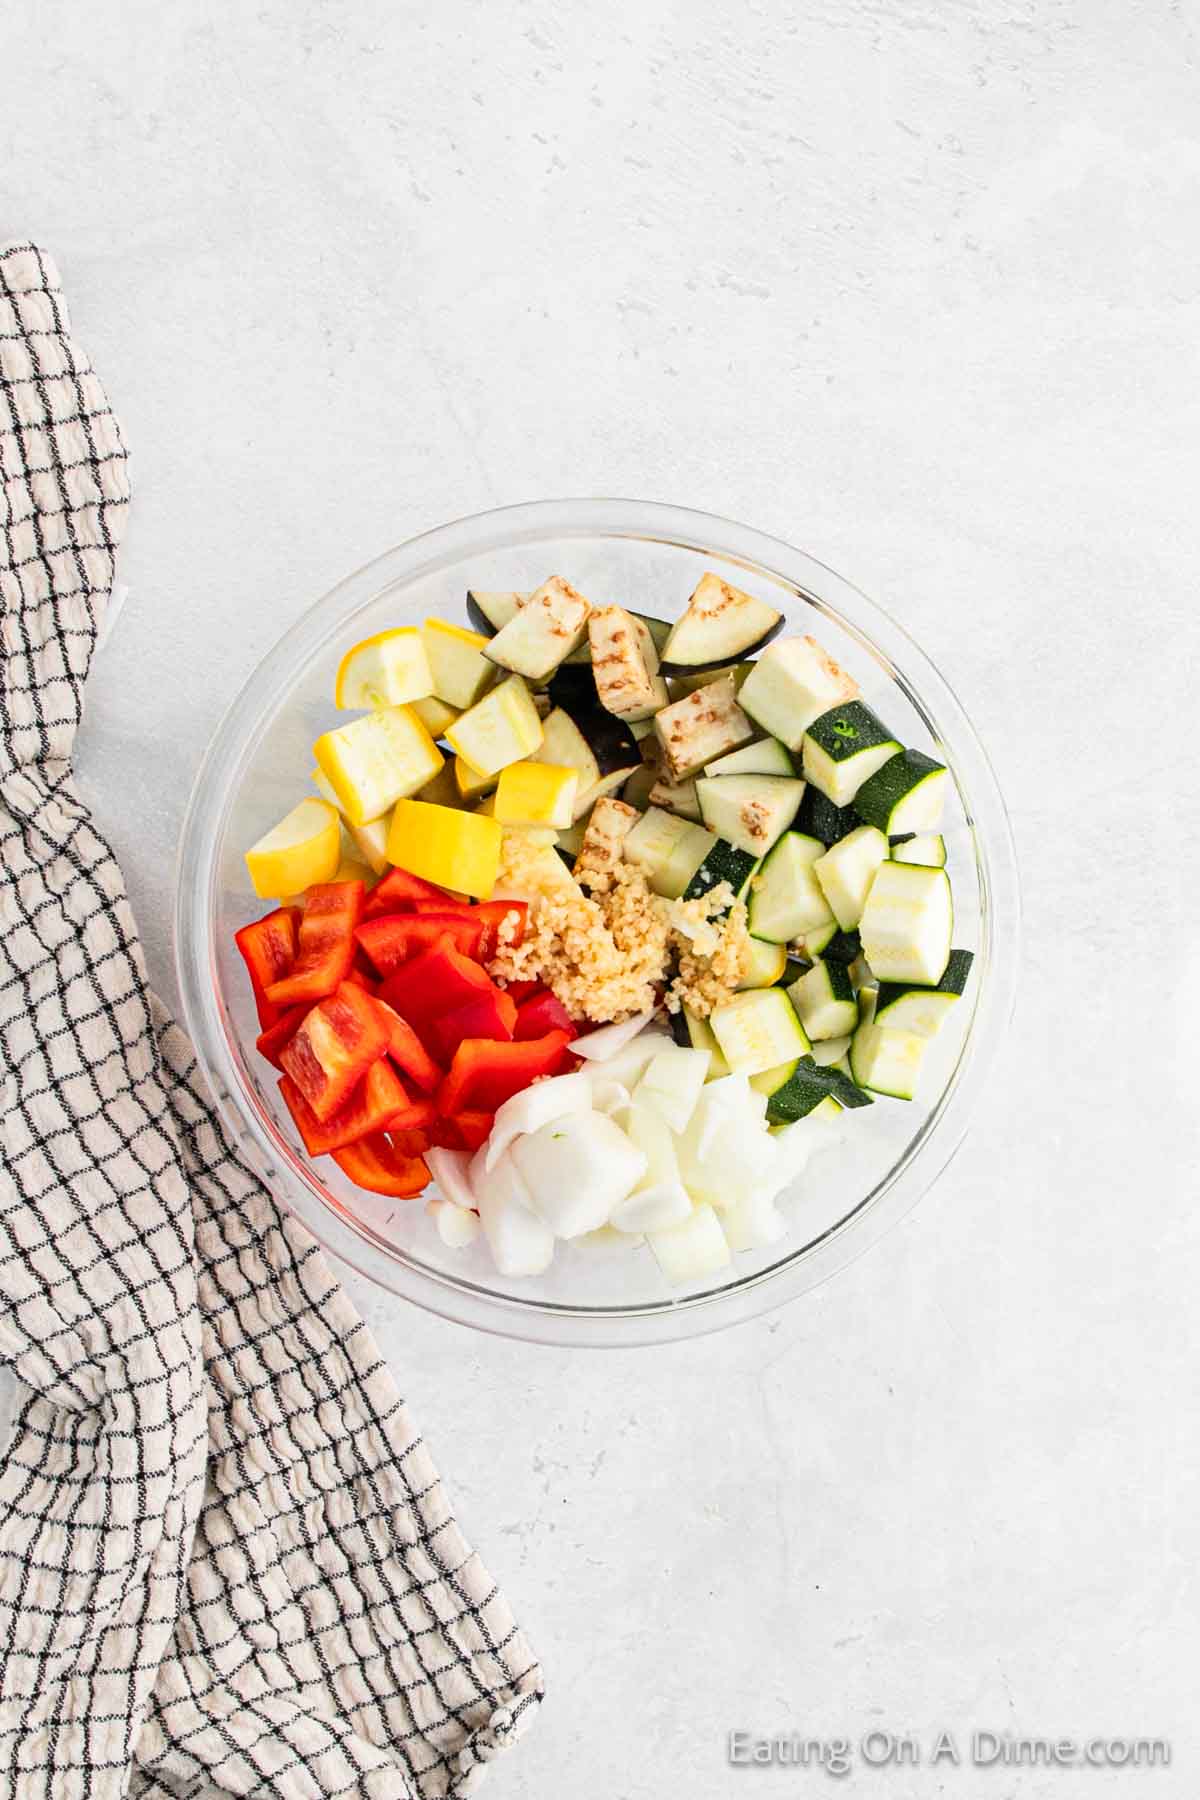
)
(606, 1040)
(672, 1081)
(576, 1169)
(535, 1106)
(652, 1208)
(450, 1169)
(607, 1238)
(627, 1065)
(520, 1243)
(609, 1097)
(753, 1223)
(457, 1226)
(692, 1249)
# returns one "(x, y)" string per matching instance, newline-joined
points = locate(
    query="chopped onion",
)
(457, 1226)
(653, 1208)
(450, 1169)
(520, 1243)
(576, 1169)
(533, 1107)
(599, 1045)
(691, 1249)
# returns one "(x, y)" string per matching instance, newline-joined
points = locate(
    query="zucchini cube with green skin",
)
(625, 664)
(758, 1030)
(786, 899)
(886, 1062)
(766, 965)
(795, 1092)
(543, 632)
(826, 1001)
(907, 923)
(723, 862)
(668, 850)
(928, 850)
(906, 795)
(843, 748)
(502, 728)
(461, 672)
(700, 727)
(751, 811)
(847, 872)
(900, 1006)
(767, 757)
(820, 818)
(793, 682)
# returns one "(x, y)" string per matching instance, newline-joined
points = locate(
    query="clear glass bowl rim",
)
(771, 559)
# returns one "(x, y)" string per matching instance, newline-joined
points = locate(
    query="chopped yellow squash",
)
(376, 760)
(385, 670)
(500, 729)
(455, 849)
(301, 849)
(536, 793)
(434, 714)
(442, 790)
(471, 783)
(460, 670)
(370, 840)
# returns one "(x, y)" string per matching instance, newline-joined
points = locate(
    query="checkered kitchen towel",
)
(227, 1565)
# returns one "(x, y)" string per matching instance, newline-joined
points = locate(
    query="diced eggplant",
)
(542, 633)
(490, 610)
(678, 797)
(564, 744)
(625, 663)
(603, 841)
(699, 728)
(721, 625)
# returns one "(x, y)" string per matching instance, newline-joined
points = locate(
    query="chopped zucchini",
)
(808, 945)
(820, 818)
(847, 870)
(928, 850)
(758, 1030)
(668, 850)
(826, 1001)
(723, 862)
(625, 664)
(767, 965)
(845, 746)
(701, 727)
(461, 672)
(901, 1006)
(786, 900)
(907, 924)
(832, 1053)
(886, 1062)
(490, 612)
(842, 946)
(751, 811)
(543, 632)
(678, 686)
(793, 682)
(701, 1036)
(906, 795)
(500, 729)
(677, 797)
(604, 840)
(721, 625)
(767, 757)
(798, 1091)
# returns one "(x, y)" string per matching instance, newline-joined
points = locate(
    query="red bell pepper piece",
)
(473, 1127)
(397, 891)
(334, 1047)
(325, 943)
(408, 1052)
(490, 914)
(490, 1016)
(391, 941)
(271, 1041)
(540, 1014)
(523, 990)
(383, 1166)
(438, 981)
(485, 1074)
(268, 948)
(380, 1099)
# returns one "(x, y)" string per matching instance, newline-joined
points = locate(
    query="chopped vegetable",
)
(407, 1051)
(543, 632)
(843, 748)
(847, 873)
(791, 685)
(303, 848)
(576, 1168)
(491, 1016)
(749, 811)
(385, 670)
(520, 1242)
(625, 664)
(500, 729)
(484, 1074)
(906, 794)
(390, 941)
(334, 1047)
(380, 1099)
(455, 849)
(461, 672)
(701, 727)
(438, 980)
(692, 1249)
(907, 923)
(721, 625)
(536, 793)
(268, 949)
(534, 1107)
(325, 944)
(374, 761)
(603, 1044)
(380, 1164)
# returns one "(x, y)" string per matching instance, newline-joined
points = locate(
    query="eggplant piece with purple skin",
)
(721, 625)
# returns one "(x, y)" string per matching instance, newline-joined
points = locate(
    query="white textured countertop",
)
(914, 286)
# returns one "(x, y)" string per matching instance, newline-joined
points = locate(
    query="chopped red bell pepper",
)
(380, 1099)
(489, 1016)
(268, 948)
(397, 891)
(383, 1166)
(540, 1014)
(370, 984)
(271, 1041)
(485, 1074)
(325, 943)
(435, 982)
(334, 1047)
(473, 1127)
(444, 905)
(408, 1052)
(392, 941)
(491, 914)
(523, 990)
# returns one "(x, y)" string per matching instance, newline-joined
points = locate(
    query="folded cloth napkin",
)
(227, 1564)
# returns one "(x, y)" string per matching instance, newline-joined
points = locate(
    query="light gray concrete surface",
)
(915, 286)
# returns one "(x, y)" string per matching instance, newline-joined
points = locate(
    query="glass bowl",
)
(649, 557)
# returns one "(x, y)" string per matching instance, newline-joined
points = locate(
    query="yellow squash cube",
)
(461, 672)
(376, 760)
(370, 840)
(471, 783)
(385, 670)
(303, 848)
(502, 728)
(536, 793)
(458, 850)
(434, 714)
(442, 790)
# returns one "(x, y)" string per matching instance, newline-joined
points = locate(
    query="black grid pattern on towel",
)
(227, 1564)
